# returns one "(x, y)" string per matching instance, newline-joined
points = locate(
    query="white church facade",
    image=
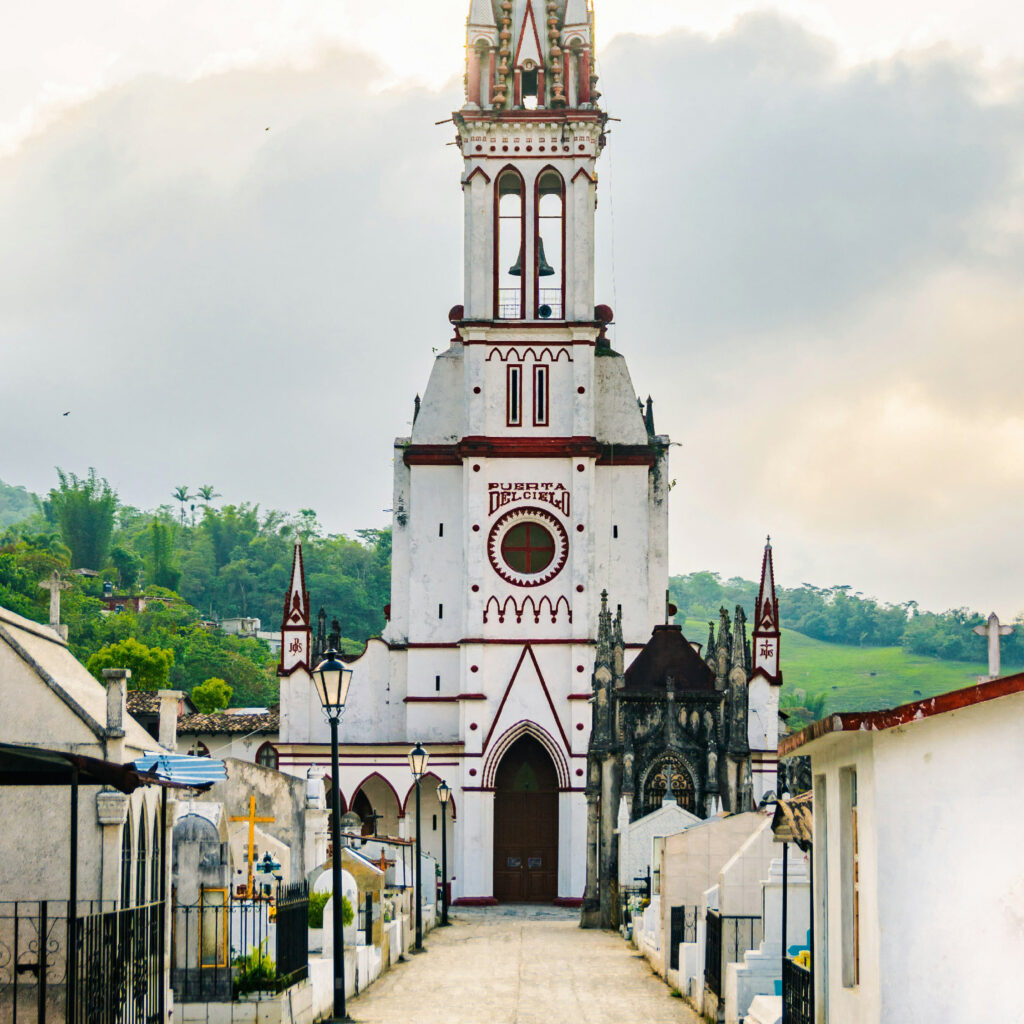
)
(532, 482)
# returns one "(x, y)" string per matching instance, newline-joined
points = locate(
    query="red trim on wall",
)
(567, 901)
(580, 696)
(429, 700)
(542, 386)
(529, 447)
(878, 721)
(514, 388)
(473, 173)
(475, 901)
(536, 241)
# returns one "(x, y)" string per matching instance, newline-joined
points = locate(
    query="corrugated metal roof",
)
(182, 769)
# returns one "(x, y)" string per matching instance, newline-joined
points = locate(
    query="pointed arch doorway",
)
(526, 825)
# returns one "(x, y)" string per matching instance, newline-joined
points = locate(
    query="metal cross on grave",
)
(383, 863)
(54, 584)
(252, 820)
(993, 629)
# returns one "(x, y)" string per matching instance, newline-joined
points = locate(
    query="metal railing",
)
(117, 969)
(682, 928)
(552, 299)
(797, 993)
(226, 946)
(726, 939)
(510, 303)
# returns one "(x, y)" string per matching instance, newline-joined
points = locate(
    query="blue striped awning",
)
(181, 769)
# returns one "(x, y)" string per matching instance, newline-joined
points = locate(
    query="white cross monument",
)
(993, 629)
(54, 584)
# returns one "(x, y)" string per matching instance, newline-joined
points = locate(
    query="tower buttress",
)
(295, 627)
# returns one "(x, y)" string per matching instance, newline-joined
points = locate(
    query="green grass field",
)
(862, 678)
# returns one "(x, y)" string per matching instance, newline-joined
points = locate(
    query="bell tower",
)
(530, 134)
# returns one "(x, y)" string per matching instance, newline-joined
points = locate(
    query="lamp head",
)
(444, 793)
(418, 759)
(332, 679)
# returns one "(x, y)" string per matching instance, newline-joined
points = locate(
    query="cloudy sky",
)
(812, 233)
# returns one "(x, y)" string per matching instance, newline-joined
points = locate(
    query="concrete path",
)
(520, 965)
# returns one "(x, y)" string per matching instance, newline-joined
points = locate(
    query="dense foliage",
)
(196, 566)
(839, 615)
(16, 504)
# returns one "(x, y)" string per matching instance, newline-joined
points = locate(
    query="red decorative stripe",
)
(567, 901)
(475, 901)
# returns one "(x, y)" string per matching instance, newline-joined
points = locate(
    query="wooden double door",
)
(526, 825)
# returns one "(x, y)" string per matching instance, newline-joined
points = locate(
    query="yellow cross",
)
(252, 819)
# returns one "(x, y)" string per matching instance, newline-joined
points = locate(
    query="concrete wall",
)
(941, 897)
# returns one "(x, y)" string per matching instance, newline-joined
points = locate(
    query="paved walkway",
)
(520, 965)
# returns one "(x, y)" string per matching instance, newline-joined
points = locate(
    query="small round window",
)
(528, 548)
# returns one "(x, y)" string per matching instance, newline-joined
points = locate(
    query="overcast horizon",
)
(232, 237)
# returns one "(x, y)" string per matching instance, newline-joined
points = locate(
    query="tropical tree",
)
(181, 495)
(162, 571)
(212, 696)
(206, 493)
(150, 666)
(83, 510)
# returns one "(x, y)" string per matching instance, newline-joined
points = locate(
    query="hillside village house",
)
(918, 886)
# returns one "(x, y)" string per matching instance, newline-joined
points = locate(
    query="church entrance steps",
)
(520, 964)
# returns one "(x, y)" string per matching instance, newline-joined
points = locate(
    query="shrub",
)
(317, 902)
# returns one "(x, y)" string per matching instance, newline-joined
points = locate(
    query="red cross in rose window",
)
(528, 548)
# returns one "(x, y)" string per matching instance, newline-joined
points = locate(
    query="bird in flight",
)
(68, 413)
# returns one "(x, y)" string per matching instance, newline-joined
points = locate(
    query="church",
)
(533, 483)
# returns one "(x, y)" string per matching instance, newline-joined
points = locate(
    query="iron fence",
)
(292, 933)
(116, 966)
(226, 946)
(797, 993)
(726, 939)
(626, 894)
(34, 952)
(682, 928)
(552, 299)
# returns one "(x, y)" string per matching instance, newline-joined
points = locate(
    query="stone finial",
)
(117, 699)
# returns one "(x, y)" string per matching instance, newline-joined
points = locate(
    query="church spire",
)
(766, 634)
(295, 627)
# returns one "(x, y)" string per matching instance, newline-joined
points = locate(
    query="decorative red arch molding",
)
(430, 788)
(500, 747)
(341, 794)
(398, 802)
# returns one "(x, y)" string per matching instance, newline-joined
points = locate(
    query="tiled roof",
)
(668, 655)
(143, 702)
(225, 722)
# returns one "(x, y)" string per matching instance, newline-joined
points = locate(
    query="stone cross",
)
(54, 584)
(993, 629)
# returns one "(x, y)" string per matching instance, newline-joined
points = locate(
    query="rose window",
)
(528, 546)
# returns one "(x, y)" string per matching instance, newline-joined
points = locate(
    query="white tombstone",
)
(351, 891)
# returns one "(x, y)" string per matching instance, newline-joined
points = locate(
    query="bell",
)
(544, 268)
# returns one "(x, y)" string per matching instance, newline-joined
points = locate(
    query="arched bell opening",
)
(550, 246)
(526, 824)
(510, 204)
(378, 807)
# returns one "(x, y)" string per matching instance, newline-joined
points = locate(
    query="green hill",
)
(862, 678)
(16, 504)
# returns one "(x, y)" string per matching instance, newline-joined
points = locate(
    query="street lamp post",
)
(418, 759)
(332, 680)
(444, 795)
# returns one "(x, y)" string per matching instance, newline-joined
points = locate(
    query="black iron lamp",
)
(418, 759)
(332, 678)
(444, 794)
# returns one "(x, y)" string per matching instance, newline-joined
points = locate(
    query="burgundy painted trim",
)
(586, 174)
(529, 447)
(567, 901)
(441, 645)
(473, 173)
(431, 455)
(472, 696)
(387, 743)
(535, 642)
(478, 789)
(430, 700)
(475, 901)
(542, 386)
(566, 343)
(546, 114)
(516, 391)
(879, 721)
(497, 241)
(580, 696)
(627, 455)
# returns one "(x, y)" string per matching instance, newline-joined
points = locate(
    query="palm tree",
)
(181, 495)
(206, 493)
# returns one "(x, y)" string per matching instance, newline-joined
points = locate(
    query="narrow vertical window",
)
(440, 611)
(437, 684)
(615, 533)
(849, 872)
(440, 529)
(514, 396)
(540, 396)
(550, 242)
(508, 269)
